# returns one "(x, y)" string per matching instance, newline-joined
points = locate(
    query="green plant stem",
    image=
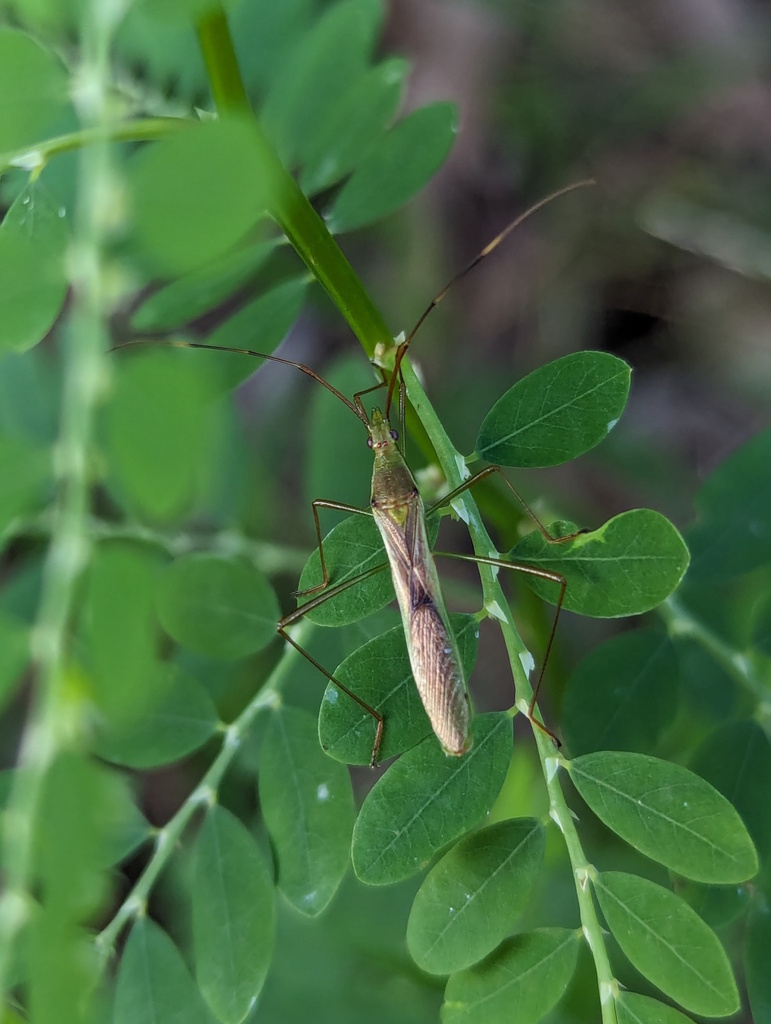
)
(34, 158)
(308, 234)
(289, 207)
(680, 622)
(269, 558)
(56, 718)
(497, 606)
(203, 795)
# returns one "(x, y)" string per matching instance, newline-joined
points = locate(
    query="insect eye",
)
(369, 442)
(395, 435)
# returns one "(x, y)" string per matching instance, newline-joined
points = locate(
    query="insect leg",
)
(294, 616)
(338, 506)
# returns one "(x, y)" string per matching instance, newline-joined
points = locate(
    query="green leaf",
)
(197, 193)
(217, 606)
(122, 629)
(668, 943)
(395, 168)
(470, 900)
(25, 470)
(349, 129)
(60, 964)
(557, 412)
(158, 430)
(128, 829)
(153, 982)
(197, 293)
(34, 84)
(33, 240)
(379, 672)
(350, 548)
(668, 813)
(733, 532)
(329, 59)
(307, 804)
(14, 654)
(266, 320)
(623, 695)
(73, 836)
(233, 916)
(632, 1008)
(180, 719)
(736, 760)
(522, 981)
(626, 567)
(427, 799)
(756, 972)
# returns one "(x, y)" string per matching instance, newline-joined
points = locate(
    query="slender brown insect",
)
(400, 516)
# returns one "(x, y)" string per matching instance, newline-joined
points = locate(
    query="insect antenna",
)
(488, 249)
(355, 408)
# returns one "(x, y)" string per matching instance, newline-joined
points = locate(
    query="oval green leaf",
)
(34, 83)
(379, 672)
(233, 916)
(159, 427)
(217, 606)
(33, 241)
(307, 804)
(522, 981)
(396, 168)
(197, 193)
(180, 719)
(327, 61)
(557, 412)
(351, 548)
(632, 1008)
(623, 694)
(470, 900)
(668, 813)
(350, 128)
(626, 567)
(668, 943)
(153, 982)
(427, 799)
(122, 629)
(197, 293)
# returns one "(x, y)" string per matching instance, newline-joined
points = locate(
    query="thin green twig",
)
(55, 721)
(204, 794)
(308, 234)
(34, 158)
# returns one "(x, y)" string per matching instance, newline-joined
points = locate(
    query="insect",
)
(400, 516)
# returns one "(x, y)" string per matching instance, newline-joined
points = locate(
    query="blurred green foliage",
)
(154, 516)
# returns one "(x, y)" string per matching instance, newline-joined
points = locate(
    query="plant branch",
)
(34, 158)
(203, 794)
(289, 206)
(681, 622)
(497, 607)
(310, 237)
(56, 721)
